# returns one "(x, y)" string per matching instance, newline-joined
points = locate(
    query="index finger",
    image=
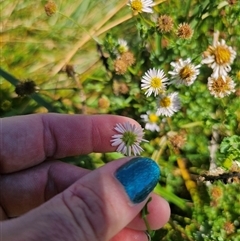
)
(26, 141)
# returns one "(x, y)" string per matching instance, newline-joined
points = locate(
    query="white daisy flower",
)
(184, 72)
(151, 120)
(155, 81)
(122, 46)
(219, 57)
(220, 87)
(140, 6)
(128, 140)
(168, 104)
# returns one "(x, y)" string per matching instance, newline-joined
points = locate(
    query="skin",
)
(42, 198)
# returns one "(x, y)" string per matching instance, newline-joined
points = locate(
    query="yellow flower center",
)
(137, 5)
(219, 85)
(222, 55)
(165, 102)
(129, 138)
(186, 73)
(153, 118)
(122, 49)
(156, 83)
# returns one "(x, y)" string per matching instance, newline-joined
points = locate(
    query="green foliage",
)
(229, 151)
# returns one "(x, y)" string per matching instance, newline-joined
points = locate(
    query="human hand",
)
(52, 200)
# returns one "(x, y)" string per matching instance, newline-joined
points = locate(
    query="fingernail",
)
(138, 177)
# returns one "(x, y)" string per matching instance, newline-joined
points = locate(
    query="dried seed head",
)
(229, 228)
(128, 58)
(216, 192)
(237, 93)
(232, 2)
(165, 23)
(184, 31)
(27, 87)
(120, 66)
(120, 88)
(123, 88)
(69, 69)
(103, 103)
(50, 8)
(178, 140)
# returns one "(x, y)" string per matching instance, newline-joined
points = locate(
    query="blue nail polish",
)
(139, 177)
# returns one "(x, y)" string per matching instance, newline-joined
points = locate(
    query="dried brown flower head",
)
(229, 227)
(128, 58)
(165, 23)
(178, 140)
(232, 2)
(120, 66)
(120, 88)
(50, 8)
(27, 87)
(216, 192)
(69, 69)
(103, 103)
(237, 92)
(123, 88)
(184, 31)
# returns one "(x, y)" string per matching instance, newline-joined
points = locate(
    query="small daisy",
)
(140, 6)
(168, 104)
(219, 57)
(128, 140)
(122, 46)
(220, 87)
(184, 72)
(155, 81)
(151, 120)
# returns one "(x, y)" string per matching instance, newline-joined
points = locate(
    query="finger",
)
(159, 214)
(99, 205)
(24, 190)
(28, 140)
(130, 235)
(28, 189)
(3, 215)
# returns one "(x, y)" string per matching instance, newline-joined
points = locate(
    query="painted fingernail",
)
(138, 177)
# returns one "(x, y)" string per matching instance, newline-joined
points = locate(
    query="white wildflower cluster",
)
(155, 82)
(219, 57)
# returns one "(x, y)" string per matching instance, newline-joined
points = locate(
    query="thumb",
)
(97, 206)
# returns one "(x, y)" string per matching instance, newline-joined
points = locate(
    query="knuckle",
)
(87, 209)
